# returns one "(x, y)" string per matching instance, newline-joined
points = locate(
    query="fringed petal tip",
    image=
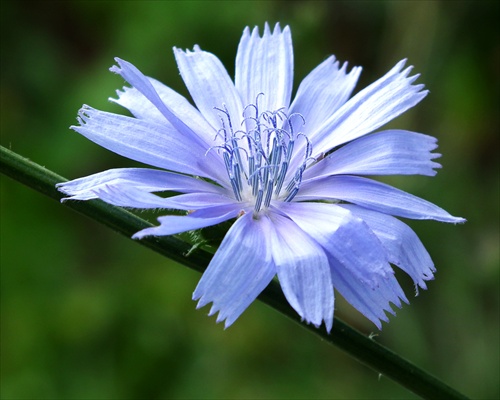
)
(229, 319)
(327, 323)
(117, 69)
(267, 30)
(65, 189)
(383, 317)
(214, 309)
(119, 93)
(405, 74)
(78, 198)
(142, 234)
(452, 220)
(196, 49)
(82, 116)
(85, 114)
(378, 321)
(420, 284)
(65, 199)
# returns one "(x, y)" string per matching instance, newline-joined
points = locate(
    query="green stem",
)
(359, 346)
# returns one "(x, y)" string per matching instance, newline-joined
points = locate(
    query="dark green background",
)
(87, 314)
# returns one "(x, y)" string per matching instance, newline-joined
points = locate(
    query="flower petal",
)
(135, 78)
(132, 197)
(303, 272)
(149, 143)
(149, 180)
(391, 152)
(322, 92)
(369, 109)
(345, 237)
(402, 245)
(371, 302)
(172, 224)
(357, 260)
(265, 65)
(240, 270)
(142, 108)
(210, 86)
(374, 196)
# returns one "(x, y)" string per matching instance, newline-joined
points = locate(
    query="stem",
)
(364, 349)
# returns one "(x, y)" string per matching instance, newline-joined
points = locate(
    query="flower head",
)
(287, 171)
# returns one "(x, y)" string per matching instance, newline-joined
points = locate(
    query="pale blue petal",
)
(303, 271)
(136, 79)
(265, 65)
(131, 197)
(369, 109)
(391, 152)
(172, 224)
(322, 92)
(344, 237)
(210, 86)
(240, 270)
(402, 245)
(147, 142)
(371, 302)
(375, 196)
(141, 107)
(148, 180)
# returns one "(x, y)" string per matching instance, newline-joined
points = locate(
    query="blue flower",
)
(288, 172)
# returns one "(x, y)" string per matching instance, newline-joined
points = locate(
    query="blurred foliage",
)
(86, 314)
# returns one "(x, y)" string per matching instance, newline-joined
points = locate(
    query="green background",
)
(88, 314)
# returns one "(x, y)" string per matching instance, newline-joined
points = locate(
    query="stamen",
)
(257, 159)
(269, 192)
(258, 200)
(281, 177)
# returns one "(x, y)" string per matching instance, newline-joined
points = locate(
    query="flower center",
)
(258, 157)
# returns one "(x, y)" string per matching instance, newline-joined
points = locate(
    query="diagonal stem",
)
(359, 346)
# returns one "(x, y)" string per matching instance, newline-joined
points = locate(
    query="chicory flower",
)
(291, 174)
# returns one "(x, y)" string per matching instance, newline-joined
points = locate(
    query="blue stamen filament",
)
(259, 164)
